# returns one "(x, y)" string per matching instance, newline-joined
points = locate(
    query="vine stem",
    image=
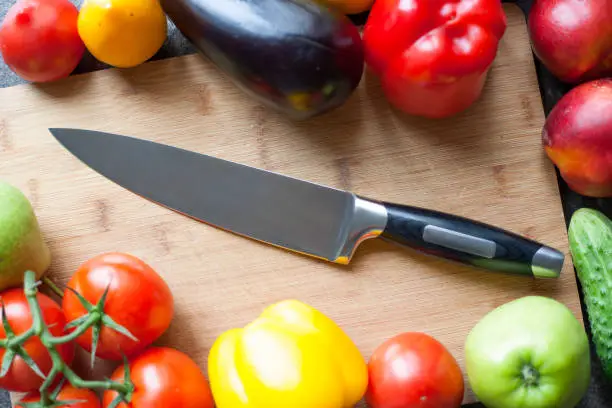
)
(40, 329)
(47, 281)
(82, 328)
(78, 382)
(19, 340)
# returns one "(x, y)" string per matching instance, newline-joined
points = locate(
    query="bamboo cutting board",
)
(485, 164)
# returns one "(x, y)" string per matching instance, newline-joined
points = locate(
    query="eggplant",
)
(298, 57)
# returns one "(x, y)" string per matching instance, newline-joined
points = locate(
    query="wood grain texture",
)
(486, 164)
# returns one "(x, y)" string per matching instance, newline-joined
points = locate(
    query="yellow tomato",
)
(122, 33)
(350, 6)
(290, 356)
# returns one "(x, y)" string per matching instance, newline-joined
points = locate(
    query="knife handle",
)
(470, 242)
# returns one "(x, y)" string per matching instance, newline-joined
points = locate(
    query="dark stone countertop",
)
(600, 392)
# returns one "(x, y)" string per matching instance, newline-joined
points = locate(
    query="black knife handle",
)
(470, 242)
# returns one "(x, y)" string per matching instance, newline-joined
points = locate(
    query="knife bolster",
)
(367, 220)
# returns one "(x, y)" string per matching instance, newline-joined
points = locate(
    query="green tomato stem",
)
(48, 381)
(53, 287)
(82, 328)
(30, 290)
(78, 382)
(40, 329)
(22, 338)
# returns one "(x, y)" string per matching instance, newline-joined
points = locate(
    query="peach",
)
(573, 38)
(577, 137)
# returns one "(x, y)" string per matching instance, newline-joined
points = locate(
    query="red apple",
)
(573, 38)
(577, 137)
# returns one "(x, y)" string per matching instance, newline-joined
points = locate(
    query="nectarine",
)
(577, 137)
(573, 38)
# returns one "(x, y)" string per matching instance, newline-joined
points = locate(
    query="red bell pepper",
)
(433, 56)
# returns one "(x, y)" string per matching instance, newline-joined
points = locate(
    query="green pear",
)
(22, 246)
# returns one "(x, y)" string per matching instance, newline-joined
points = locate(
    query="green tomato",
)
(529, 353)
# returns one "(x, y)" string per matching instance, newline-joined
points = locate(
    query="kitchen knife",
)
(298, 215)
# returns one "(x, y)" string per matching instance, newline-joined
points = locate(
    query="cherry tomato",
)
(414, 370)
(20, 377)
(39, 39)
(164, 377)
(87, 398)
(138, 299)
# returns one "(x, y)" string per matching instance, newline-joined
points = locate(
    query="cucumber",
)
(590, 238)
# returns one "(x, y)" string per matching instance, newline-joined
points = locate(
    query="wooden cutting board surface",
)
(486, 164)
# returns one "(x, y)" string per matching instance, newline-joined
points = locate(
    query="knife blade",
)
(298, 215)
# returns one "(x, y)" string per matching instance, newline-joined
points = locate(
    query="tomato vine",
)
(94, 319)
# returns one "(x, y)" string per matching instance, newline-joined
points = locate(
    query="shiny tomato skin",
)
(164, 377)
(87, 398)
(413, 370)
(39, 40)
(138, 299)
(20, 377)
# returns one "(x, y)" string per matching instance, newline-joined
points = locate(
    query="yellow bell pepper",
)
(291, 356)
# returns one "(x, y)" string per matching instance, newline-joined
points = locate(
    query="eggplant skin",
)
(295, 56)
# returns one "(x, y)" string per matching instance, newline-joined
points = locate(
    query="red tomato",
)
(20, 377)
(39, 40)
(164, 377)
(138, 299)
(87, 398)
(414, 370)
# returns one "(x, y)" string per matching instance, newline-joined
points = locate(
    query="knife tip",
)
(55, 131)
(60, 133)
